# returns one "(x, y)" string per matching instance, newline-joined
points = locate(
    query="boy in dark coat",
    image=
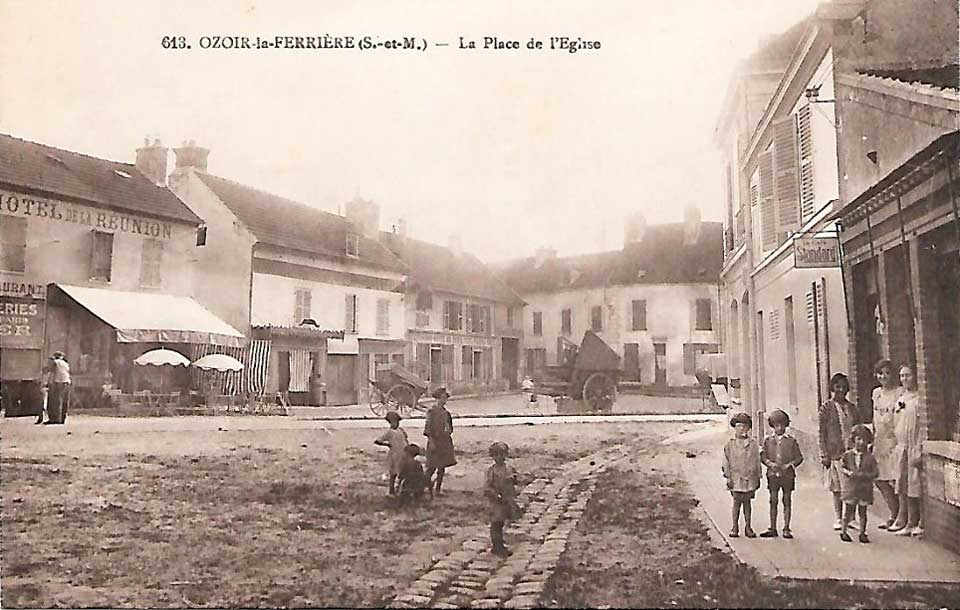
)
(411, 480)
(860, 470)
(500, 488)
(781, 455)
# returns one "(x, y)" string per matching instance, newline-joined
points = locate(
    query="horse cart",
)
(396, 389)
(588, 375)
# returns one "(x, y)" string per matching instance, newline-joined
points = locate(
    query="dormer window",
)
(353, 244)
(122, 174)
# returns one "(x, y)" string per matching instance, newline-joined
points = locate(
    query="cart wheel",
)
(377, 402)
(400, 398)
(600, 392)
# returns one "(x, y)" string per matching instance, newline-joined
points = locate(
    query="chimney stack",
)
(152, 161)
(365, 215)
(191, 155)
(634, 227)
(543, 255)
(455, 245)
(691, 225)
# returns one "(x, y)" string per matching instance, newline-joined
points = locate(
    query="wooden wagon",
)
(588, 373)
(396, 389)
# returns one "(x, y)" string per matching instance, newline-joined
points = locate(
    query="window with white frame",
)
(353, 244)
(101, 257)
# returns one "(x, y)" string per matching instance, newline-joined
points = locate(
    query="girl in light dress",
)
(909, 445)
(885, 400)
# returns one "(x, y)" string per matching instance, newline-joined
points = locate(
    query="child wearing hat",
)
(500, 488)
(396, 439)
(860, 469)
(781, 455)
(741, 468)
(411, 479)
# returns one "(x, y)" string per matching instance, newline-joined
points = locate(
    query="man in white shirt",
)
(58, 382)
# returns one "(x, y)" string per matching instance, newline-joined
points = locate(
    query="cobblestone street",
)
(474, 577)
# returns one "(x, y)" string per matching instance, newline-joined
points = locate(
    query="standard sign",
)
(816, 252)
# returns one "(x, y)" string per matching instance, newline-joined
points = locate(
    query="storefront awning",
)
(143, 317)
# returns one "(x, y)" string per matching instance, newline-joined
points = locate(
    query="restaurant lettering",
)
(21, 323)
(815, 252)
(37, 207)
(22, 289)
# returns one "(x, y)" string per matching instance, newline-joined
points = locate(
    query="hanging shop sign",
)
(816, 252)
(21, 323)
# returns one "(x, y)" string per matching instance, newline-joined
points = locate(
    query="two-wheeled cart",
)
(396, 389)
(588, 375)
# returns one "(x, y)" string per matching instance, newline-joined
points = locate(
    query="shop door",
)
(949, 300)
(341, 375)
(660, 363)
(631, 361)
(511, 354)
(436, 364)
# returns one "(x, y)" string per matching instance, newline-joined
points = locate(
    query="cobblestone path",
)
(473, 577)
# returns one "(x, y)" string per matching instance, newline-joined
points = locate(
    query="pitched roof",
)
(439, 269)
(659, 258)
(95, 181)
(284, 223)
(944, 77)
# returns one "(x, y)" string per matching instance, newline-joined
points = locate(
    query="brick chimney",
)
(365, 215)
(691, 225)
(542, 255)
(152, 161)
(634, 227)
(455, 245)
(191, 155)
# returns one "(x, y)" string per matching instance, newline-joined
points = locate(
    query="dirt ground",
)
(640, 544)
(263, 518)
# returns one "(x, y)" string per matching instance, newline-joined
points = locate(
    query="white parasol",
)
(218, 362)
(162, 357)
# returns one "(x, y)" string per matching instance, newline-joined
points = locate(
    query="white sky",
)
(513, 150)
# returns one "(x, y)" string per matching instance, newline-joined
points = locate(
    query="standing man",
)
(58, 381)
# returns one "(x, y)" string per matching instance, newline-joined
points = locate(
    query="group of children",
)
(781, 455)
(409, 482)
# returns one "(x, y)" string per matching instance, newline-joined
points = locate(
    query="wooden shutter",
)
(446, 315)
(768, 202)
(787, 186)
(805, 146)
(383, 316)
(350, 318)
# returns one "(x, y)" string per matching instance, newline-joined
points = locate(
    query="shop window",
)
(383, 316)
(596, 318)
(538, 323)
(151, 263)
(380, 360)
(704, 315)
(101, 261)
(350, 311)
(639, 315)
(302, 303)
(13, 244)
(566, 321)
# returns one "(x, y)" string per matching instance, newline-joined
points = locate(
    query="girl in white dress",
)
(885, 441)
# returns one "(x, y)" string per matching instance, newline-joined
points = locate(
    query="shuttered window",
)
(639, 315)
(383, 316)
(151, 262)
(566, 321)
(302, 305)
(446, 355)
(785, 168)
(596, 318)
(350, 313)
(704, 315)
(537, 323)
(13, 244)
(805, 146)
(452, 315)
(768, 202)
(101, 259)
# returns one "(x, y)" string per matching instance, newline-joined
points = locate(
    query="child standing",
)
(501, 491)
(781, 455)
(741, 468)
(412, 480)
(860, 469)
(396, 439)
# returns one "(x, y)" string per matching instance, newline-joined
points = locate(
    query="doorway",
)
(341, 372)
(660, 363)
(510, 356)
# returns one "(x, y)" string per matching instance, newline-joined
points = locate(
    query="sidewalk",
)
(816, 552)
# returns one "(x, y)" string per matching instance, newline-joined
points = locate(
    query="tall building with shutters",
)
(785, 324)
(654, 301)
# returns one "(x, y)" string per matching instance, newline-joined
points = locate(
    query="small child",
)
(860, 469)
(501, 491)
(781, 455)
(413, 482)
(741, 468)
(396, 439)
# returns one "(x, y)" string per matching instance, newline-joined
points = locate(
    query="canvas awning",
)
(143, 317)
